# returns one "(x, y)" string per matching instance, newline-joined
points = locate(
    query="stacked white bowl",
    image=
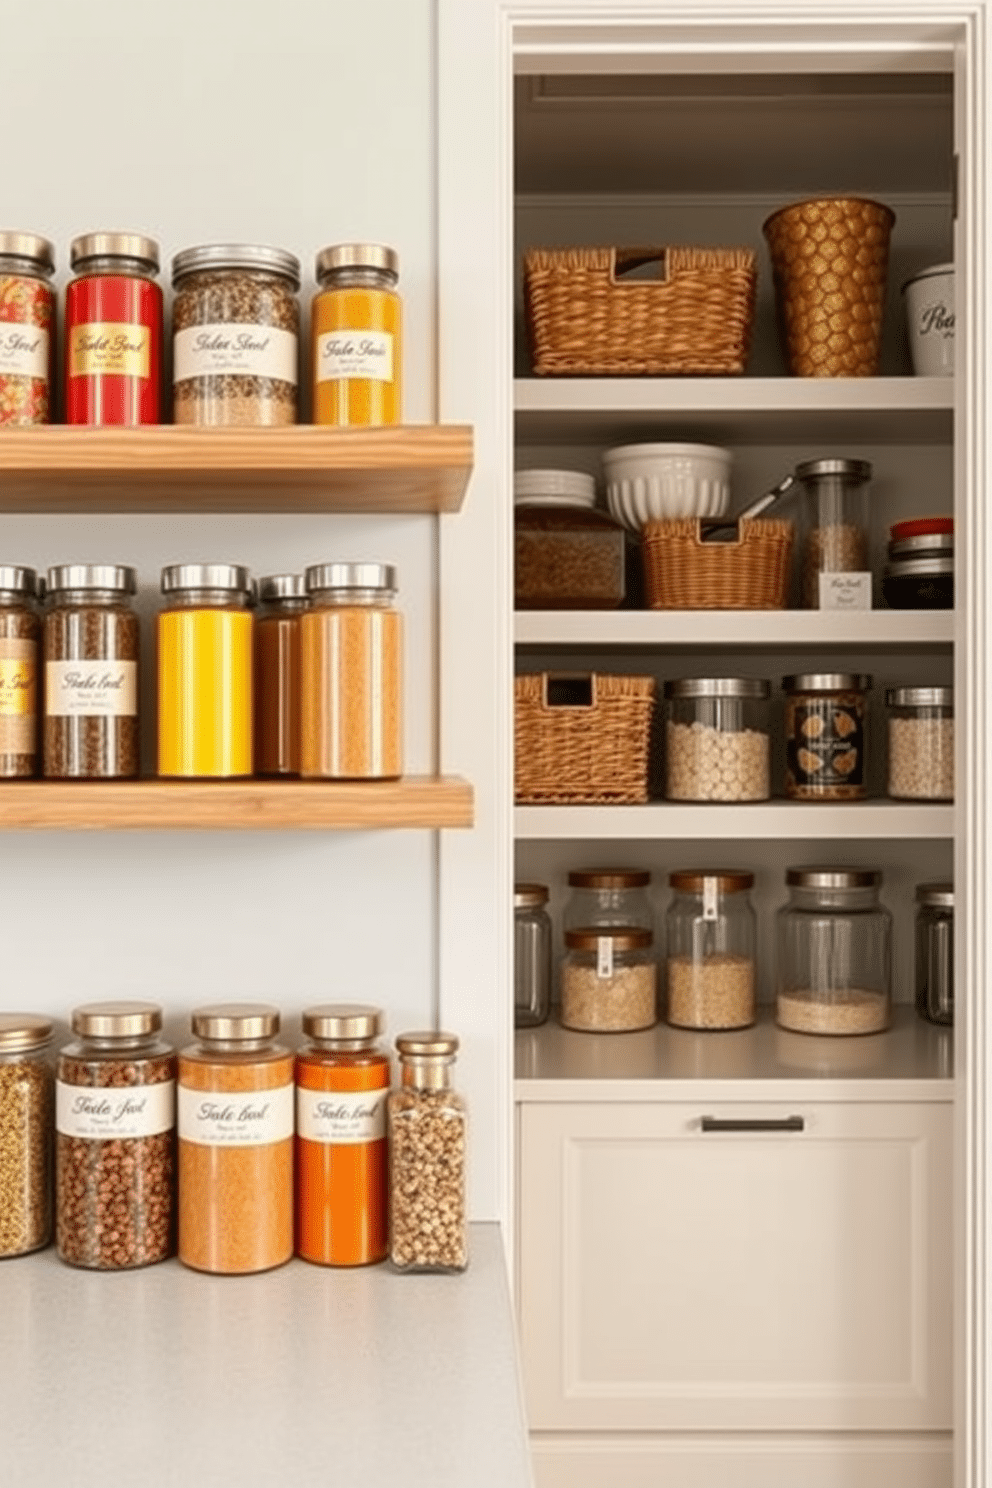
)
(651, 482)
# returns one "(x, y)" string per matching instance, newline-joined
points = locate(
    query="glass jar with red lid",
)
(113, 331)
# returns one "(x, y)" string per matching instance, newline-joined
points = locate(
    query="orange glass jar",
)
(357, 336)
(342, 1179)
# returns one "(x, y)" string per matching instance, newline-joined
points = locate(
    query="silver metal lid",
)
(281, 586)
(235, 1020)
(357, 256)
(912, 568)
(116, 1019)
(350, 576)
(32, 247)
(237, 256)
(231, 576)
(92, 576)
(342, 1021)
(827, 682)
(114, 245)
(17, 580)
(833, 878)
(529, 895)
(426, 1045)
(923, 545)
(855, 470)
(940, 894)
(920, 697)
(20, 1032)
(709, 687)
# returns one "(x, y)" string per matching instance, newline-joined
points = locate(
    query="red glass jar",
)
(113, 331)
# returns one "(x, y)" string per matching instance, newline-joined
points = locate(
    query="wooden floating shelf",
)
(403, 469)
(245, 805)
(769, 820)
(781, 629)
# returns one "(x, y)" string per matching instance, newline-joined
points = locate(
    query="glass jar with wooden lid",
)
(608, 979)
(711, 979)
(609, 898)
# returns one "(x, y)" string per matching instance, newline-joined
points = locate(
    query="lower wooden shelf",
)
(248, 805)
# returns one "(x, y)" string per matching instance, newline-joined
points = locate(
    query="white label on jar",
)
(93, 689)
(341, 1117)
(711, 894)
(235, 1118)
(24, 351)
(845, 591)
(604, 957)
(355, 354)
(103, 1113)
(234, 349)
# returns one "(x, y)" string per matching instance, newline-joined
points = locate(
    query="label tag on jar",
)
(102, 689)
(604, 957)
(17, 691)
(341, 1117)
(103, 347)
(234, 349)
(24, 351)
(106, 1113)
(235, 1118)
(711, 898)
(355, 354)
(845, 591)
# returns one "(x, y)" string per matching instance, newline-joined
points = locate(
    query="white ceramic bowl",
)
(649, 482)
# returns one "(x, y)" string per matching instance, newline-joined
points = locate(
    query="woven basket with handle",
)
(684, 571)
(582, 738)
(694, 318)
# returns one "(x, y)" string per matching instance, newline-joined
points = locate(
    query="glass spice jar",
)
(921, 743)
(236, 1124)
(236, 328)
(27, 328)
(26, 1132)
(357, 336)
(567, 555)
(91, 646)
(835, 533)
(934, 935)
(716, 739)
(205, 662)
(833, 952)
(427, 1123)
(608, 980)
(342, 1179)
(531, 955)
(351, 668)
(115, 1161)
(924, 583)
(113, 331)
(608, 898)
(711, 970)
(825, 729)
(277, 674)
(19, 631)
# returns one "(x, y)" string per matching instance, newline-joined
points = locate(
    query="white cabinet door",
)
(674, 1276)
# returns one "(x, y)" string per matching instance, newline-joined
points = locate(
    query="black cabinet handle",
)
(751, 1124)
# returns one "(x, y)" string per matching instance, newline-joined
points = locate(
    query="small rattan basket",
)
(582, 739)
(584, 317)
(685, 571)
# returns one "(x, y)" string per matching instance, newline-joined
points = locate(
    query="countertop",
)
(298, 1378)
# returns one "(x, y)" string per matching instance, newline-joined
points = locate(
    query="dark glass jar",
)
(27, 328)
(277, 674)
(825, 735)
(935, 952)
(113, 331)
(531, 955)
(919, 584)
(19, 629)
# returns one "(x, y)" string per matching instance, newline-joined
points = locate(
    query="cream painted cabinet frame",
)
(480, 45)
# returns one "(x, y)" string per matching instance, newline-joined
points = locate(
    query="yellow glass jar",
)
(357, 336)
(205, 671)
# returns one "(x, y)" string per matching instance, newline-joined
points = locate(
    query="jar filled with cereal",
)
(716, 739)
(921, 743)
(711, 980)
(608, 980)
(825, 728)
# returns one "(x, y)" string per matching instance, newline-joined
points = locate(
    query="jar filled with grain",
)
(825, 735)
(921, 743)
(567, 554)
(27, 328)
(19, 631)
(608, 980)
(26, 1131)
(609, 899)
(283, 599)
(716, 739)
(833, 952)
(531, 955)
(357, 336)
(236, 327)
(91, 646)
(835, 534)
(427, 1121)
(934, 936)
(711, 978)
(236, 1125)
(351, 667)
(115, 1158)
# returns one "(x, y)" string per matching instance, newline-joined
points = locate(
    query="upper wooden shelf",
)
(406, 468)
(769, 629)
(247, 805)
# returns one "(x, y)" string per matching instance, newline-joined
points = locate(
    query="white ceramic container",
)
(649, 482)
(929, 297)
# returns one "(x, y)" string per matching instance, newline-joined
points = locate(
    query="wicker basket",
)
(683, 571)
(582, 739)
(695, 318)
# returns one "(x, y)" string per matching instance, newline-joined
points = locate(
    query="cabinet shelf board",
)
(766, 820)
(247, 805)
(781, 629)
(302, 468)
(741, 410)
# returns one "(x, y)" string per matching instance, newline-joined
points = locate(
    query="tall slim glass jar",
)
(27, 328)
(427, 1141)
(26, 1128)
(277, 674)
(113, 331)
(19, 629)
(357, 336)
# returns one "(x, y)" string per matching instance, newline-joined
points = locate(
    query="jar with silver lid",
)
(26, 1124)
(835, 531)
(113, 331)
(716, 739)
(357, 343)
(712, 930)
(19, 693)
(236, 326)
(91, 648)
(27, 328)
(833, 952)
(283, 599)
(825, 735)
(935, 952)
(531, 955)
(428, 1123)
(609, 897)
(920, 583)
(921, 743)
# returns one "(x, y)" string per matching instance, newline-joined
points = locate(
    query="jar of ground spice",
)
(342, 1081)
(26, 1129)
(115, 1160)
(235, 1141)
(113, 331)
(357, 336)
(277, 674)
(19, 630)
(236, 327)
(711, 981)
(91, 645)
(27, 328)
(427, 1148)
